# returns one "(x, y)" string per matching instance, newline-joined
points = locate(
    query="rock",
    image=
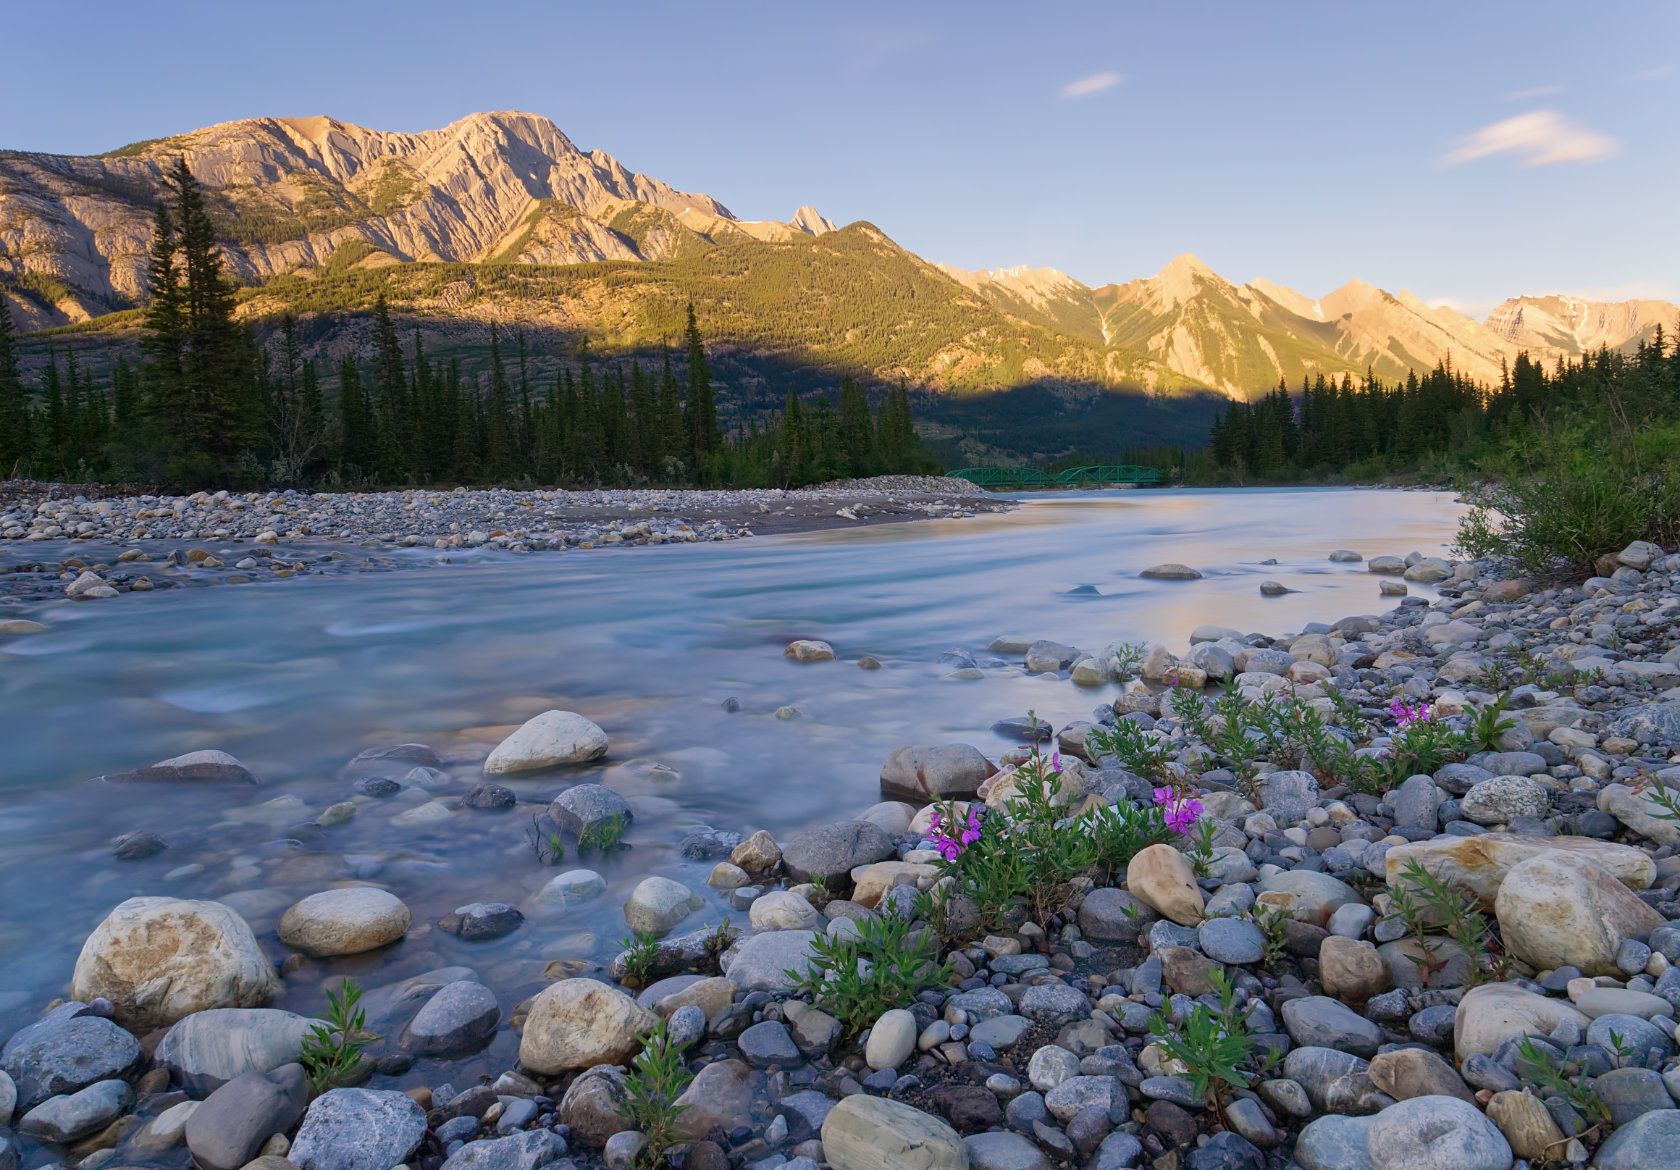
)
(1004, 1151)
(1112, 915)
(768, 1043)
(1479, 863)
(345, 921)
(72, 1116)
(1322, 1022)
(489, 797)
(358, 1129)
(595, 1104)
(1495, 1012)
(15, 627)
(809, 650)
(1351, 970)
(1403, 1073)
(8, 1097)
(1423, 1133)
(1557, 911)
(547, 741)
(658, 904)
(1045, 656)
(1335, 1081)
(760, 962)
(1274, 589)
(572, 888)
(1639, 812)
(1308, 896)
(578, 1023)
(1287, 795)
(208, 1049)
(1231, 940)
(481, 921)
(591, 810)
(1527, 1125)
(458, 1018)
(832, 851)
(875, 881)
(948, 771)
(230, 1126)
(784, 910)
(518, 1151)
(1170, 571)
(891, 1040)
(1346, 556)
(719, 1098)
(64, 1052)
(1428, 571)
(874, 1133)
(1650, 1141)
(1164, 880)
(203, 767)
(1504, 799)
(159, 959)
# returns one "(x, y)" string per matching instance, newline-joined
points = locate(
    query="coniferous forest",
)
(209, 405)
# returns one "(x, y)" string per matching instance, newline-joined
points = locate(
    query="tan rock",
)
(874, 880)
(1640, 813)
(758, 854)
(579, 1023)
(719, 1097)
(159, 959)
(1351, 970)
(1527, 1125)
(874, 1133)
(1164, 880)
(713, 996)
(1559, 911)
(1494, 1012)
(809, 650)
(1415, 1072)
(1480, 863)
(346, 921)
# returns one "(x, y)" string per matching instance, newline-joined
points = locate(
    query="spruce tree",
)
(703, 434)
(15, 436)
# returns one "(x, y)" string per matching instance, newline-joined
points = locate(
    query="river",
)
(296, 677)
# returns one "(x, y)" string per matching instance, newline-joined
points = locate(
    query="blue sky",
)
(1466, 152)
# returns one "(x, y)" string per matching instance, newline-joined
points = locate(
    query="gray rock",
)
(1231, 940)
(1421, 1133)
(1648, 1142)
(768, 1043)
(1636, 1034)
(1629, 1092)
(66, 1051)
(1335, 1081)
(481, 921)
(1119, 1151)
(1505, 798)
(1288, 795)
(934, 772)
(1653, 723)
(1322, 1022)
(8, 1097)
(1415, 803)
(834, 850)
(459, 1017)
(520, 1151)
(760, 962)
(1004, 1151)
(1112, 915)
(1000, 1032)
(208, 1049)
(229, 1127)
(358, 1129)
(1045, 655)
(72, 1116)
(586, 808)
(1053, 1001)
(202, 767)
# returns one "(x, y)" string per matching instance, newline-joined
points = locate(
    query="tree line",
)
(208, 405)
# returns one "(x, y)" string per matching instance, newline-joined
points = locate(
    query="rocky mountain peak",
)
(811, 221)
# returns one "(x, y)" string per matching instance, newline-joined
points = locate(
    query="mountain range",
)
(501, 218)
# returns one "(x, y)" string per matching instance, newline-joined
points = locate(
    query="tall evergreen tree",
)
(703, 434)
(15, 429)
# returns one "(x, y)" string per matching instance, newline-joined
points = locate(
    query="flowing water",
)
(297, 677)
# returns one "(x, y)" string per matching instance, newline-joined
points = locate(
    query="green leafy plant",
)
(549, 847)
(603, 835)
(1137, 750)
(1489, 724)
(1270, 920)
(641, 954)
(885, 966)
(1128, 657)
(331, 1050)
(1214, 1045)
(1121, 831)
(1564, 1079)
(657, 1078)
(1428, 905)
(1200, 850)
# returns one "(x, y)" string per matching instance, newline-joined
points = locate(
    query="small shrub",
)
(657, 1078)
(332, 1050)
(603, 835)
(1137, 750)
(1123, 830)
(1567, 1080)
(1428, 905)
(1213, 1045)
(641, 953)
(885, 966)
(1489, 724)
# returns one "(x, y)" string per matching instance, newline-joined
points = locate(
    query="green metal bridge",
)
(1032, 477)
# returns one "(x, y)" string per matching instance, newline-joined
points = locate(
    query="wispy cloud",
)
(1086, 87)
(1528, 95)
(1541, 138)
(1652, 74)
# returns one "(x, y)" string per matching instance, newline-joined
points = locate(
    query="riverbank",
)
(146, 542)
(1035, 1048)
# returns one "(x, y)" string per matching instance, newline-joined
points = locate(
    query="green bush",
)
(885, 966)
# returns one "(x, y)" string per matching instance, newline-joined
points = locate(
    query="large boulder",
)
(358, 1129)
(579, 1023)
(946, 771)
(1493, 1013)
(833, 850)
(517, 1151)
(1479, 863)
(159, 959)
(548, 741)
(588, 809)
(229, 1127)
(658, 904)
(719, 1098)
(208, 1049)
(595, 1104)
(874, 1133)
(1163, 879)
(345, 921)
(1422, 1133)
(761, 962)
(1648, 1142)
(458, 1018)
(1557, 911)
(65, 1052)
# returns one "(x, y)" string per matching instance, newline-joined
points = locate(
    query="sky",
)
(1465, 152)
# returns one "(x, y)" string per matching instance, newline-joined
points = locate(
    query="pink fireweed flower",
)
(1405, 714)
(1182, 812)
(1055, 761)
(949, 847)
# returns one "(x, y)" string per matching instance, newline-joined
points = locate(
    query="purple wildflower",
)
(1182, 812)
(949, 847)
(1406, 714)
